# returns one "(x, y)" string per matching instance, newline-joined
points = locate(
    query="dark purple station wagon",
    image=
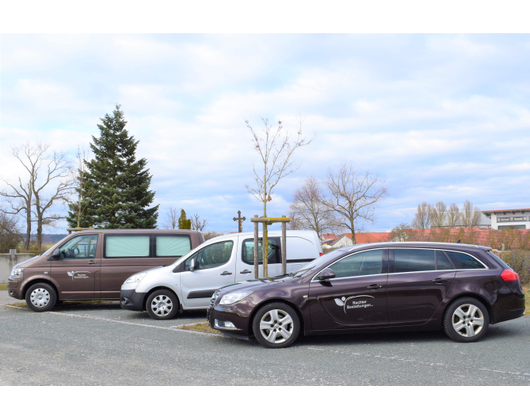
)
(459, 288)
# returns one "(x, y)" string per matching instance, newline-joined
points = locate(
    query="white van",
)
(190, 282)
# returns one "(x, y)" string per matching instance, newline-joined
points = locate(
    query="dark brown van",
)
(93, 264)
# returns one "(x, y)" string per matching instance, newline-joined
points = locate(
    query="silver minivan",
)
(190, 282)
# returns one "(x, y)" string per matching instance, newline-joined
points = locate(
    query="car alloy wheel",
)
(466, 319)
(162, 304)
(276, 325)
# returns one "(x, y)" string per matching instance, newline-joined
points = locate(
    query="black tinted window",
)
(442, 262)
(464, 261)
(406, 260)
(360, 264)
(274, 255)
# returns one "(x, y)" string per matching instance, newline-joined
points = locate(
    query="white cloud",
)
(438, 116)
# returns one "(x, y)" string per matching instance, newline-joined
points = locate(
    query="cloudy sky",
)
(439, 117)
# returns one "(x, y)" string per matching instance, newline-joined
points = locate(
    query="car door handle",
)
(245, 272)
(439, 280)
(374, 286)
(225, 273)
(91, 262)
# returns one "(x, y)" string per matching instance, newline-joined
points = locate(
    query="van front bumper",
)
(131, 300)
(13, 288)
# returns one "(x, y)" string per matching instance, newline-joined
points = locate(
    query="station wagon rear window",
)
(464, 261)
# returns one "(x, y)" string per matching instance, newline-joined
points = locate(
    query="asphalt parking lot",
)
(101, 344)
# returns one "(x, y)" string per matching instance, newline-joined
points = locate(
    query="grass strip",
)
(203, 327)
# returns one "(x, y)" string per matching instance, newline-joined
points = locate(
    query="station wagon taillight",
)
(509, 275)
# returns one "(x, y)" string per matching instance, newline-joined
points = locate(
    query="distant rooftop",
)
(505, 211)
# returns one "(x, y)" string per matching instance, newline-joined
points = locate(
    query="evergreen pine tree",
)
(116, 185)
(183, 222)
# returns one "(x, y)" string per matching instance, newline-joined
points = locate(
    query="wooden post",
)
(256, 249)
(284, 247)
(269, 221)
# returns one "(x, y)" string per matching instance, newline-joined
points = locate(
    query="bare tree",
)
(422, 218)
(438, 215)
(197, 223)
(276, 151)
(80, 203)
(172, 218)
(470, 215)
(309, 210)
(276, 154)
(453, 216)
(354, 196)
(49, 182)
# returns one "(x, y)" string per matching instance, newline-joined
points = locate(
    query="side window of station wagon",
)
(360, 264)
(465, 261)
(410, 260)
(407, 260)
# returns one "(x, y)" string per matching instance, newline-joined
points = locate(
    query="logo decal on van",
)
(357, 302)
(79, 274)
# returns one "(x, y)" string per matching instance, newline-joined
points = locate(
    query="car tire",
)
(41, 297)
(162, 304)
(276, 325)
(466, 320)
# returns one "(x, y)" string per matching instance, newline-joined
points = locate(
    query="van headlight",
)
(17, 273)
(136, 278)
(234, 297)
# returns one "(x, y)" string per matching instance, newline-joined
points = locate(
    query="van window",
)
(80, 247)
(119, 246)
(274, 255)
(464, 261)
(407, 260)
(360, 264)
(211, 256)
(172, 245)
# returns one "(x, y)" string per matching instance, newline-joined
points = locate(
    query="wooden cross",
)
(240, 221)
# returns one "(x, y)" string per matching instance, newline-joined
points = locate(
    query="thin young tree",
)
(471, 215)
(275, 148)
(172, 219)
(453, 216)
(81, 198)
(438, 215)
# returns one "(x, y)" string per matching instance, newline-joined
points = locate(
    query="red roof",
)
(369, 237)
(510, 238)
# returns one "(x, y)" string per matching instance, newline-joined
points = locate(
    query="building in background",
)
(508, 219)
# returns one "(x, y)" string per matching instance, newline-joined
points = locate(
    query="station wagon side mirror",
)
(325, 275)
(192, 264)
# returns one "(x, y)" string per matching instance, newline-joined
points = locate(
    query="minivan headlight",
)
(17, 273)
(136, 278)
(234, 297)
